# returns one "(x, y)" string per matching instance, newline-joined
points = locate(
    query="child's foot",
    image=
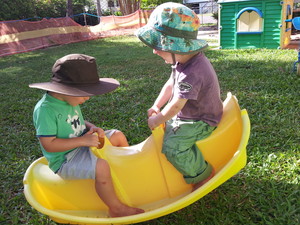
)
(125, 211)
(199, 184)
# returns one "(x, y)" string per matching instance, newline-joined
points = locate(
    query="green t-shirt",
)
(56, 118)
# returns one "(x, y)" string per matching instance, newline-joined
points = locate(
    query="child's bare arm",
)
(54, 144)
(162, 98)
(170, 110)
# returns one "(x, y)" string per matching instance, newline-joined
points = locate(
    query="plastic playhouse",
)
(255, 23)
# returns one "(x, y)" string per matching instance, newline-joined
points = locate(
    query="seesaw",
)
(142, 176)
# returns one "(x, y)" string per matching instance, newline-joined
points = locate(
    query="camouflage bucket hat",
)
(172, 27)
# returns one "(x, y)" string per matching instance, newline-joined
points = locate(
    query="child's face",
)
(164, 55)
(74, 101)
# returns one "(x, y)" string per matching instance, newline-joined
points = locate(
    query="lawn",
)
(266, 191)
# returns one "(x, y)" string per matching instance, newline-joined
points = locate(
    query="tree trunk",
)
(129, 6)
(69, 8)
(99, 11)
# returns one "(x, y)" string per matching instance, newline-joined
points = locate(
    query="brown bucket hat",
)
(77, 75)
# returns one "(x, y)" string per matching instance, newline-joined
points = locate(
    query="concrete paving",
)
(208, 34)
(206, 18)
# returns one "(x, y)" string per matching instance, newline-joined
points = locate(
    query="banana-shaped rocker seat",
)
(142, 176)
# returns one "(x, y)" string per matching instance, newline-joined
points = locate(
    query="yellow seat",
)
(142, 176)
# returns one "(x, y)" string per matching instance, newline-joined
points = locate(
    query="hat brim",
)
(157, 40)
(105, 85)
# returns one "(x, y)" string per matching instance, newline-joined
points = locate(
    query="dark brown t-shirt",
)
(196, 80)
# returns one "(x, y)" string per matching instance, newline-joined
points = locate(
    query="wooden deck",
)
(295, 42)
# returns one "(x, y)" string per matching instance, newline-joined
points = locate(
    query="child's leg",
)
(118, 139)
(181, 150)
(200, 183)
(105, 190)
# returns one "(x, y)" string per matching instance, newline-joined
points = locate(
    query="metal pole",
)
(84, 15)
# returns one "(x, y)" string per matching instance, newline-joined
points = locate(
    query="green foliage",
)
(109, 12)
(266, 191)
(53, 8)
(216, 16)
(20, 9)
(17, 9)
(149, 4)
(118, 13)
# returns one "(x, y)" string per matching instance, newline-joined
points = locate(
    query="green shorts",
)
(181, 150)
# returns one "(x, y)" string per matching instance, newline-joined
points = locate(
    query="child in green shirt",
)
(64, 135)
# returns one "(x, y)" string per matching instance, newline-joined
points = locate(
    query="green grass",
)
(266, 191)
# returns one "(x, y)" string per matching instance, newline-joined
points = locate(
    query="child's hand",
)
(152, 122)
(153, 110)
(97, 130)
(90, 139)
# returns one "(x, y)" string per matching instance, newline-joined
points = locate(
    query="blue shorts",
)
(80, 163)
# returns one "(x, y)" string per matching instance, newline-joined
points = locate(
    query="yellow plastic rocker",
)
(142, 176)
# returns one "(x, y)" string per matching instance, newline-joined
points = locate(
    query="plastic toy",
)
(296, 24)
(142, 176)
(251, 24)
